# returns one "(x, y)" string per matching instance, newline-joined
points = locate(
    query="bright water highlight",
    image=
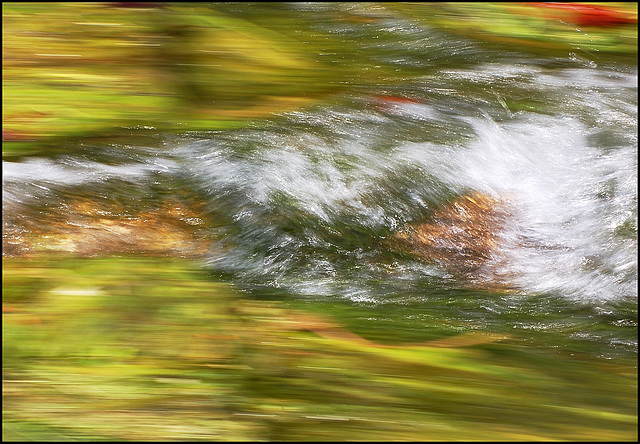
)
(310, 198)
(297, 189)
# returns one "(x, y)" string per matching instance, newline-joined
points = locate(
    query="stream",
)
(305, 203)
(319, 221)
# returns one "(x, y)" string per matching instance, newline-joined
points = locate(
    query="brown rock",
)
(93, 228)
(462, 236)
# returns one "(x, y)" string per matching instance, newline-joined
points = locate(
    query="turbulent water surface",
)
(309, 202)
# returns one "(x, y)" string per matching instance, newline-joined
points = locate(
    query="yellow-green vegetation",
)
(87, 68)
(589, 28)
(154, 350)
(74, 68)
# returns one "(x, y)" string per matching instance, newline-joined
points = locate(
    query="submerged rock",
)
(463, 236)
(85, 227)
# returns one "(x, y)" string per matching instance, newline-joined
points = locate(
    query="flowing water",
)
(442, 246)
(306, 203)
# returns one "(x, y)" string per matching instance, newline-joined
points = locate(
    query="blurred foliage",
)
(585, 27)
(74, 69)
(151, 349)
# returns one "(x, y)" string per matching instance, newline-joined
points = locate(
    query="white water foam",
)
(569, 200)
(334, 172)
(28, 179)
